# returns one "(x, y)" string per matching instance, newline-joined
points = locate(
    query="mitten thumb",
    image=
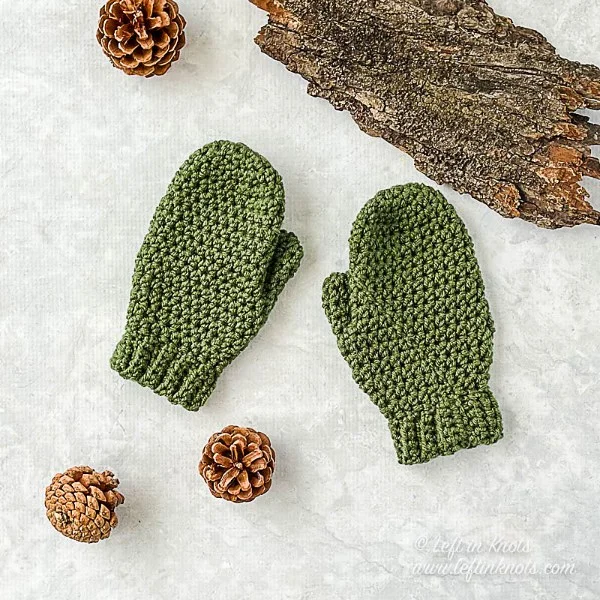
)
(336, 301)
(284, 264)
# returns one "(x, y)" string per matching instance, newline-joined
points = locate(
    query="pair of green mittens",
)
(410, 316)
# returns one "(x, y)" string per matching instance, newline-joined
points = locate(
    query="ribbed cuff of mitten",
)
(455, 422)
(160, 368)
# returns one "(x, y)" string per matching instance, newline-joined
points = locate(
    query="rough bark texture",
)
(479, 103)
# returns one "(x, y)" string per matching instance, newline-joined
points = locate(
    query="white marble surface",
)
(86, 155)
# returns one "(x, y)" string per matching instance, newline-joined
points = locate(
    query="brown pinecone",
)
(238, 463)
(141, 37)
(81, 503)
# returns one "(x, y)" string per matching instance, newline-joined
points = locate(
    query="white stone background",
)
(86, 155)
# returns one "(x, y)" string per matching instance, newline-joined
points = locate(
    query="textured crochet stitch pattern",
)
(208, 273)
(412, 321)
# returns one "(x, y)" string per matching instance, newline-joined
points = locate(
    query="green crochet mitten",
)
(208, 273)
(412, 321)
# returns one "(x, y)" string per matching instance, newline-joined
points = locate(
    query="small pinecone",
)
(238, 463)
(141, 37)
(81, 503)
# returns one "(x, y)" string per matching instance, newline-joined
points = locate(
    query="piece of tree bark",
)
(479, 103)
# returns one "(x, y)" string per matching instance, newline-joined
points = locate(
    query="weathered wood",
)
(479, 103)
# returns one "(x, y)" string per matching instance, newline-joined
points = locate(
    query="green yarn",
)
(208, 273)
(412, 321)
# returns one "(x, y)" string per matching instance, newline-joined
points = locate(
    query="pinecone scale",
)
(238, 463)
(141, 37)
